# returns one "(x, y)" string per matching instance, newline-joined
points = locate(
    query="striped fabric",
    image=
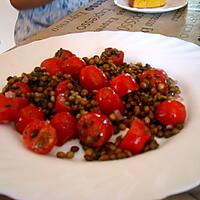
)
(31, 21)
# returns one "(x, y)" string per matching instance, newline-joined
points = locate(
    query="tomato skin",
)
(52, 65)
(109, 101)
(170, 112)
(66, 127)
(62, 87)
(92, 78)
(136, 138)
(26, 115)
(60, 105)
(155, 76)
(94, 129)
(39, 136)
(73, 66)
(124, 84)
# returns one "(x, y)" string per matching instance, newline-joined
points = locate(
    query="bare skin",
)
(28, 4)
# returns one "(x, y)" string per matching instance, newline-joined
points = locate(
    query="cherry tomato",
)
(115, 55)
(64, 54)
(124, 84)
(73, 66)
(136, 138)
(9, 107)
(26, 115)
(52, 65)
(118, 59)
(39, 136)
(95, 129)
(155, 76)
(92, 78)
(62, 87)
(8, 110)
(66, 127)
(61, 104)
(109, 101)
(171, 112)
(21, 88)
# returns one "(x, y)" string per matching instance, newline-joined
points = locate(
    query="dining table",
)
(105, 15)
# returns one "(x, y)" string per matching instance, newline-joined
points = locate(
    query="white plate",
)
(173, 168)
(169, 6)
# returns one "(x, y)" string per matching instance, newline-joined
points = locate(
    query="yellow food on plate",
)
(146, 3)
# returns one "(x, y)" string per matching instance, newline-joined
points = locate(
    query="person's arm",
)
(27, 4)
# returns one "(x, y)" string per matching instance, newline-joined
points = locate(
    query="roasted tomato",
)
(66, 127)
(171, 112)
(109, 101)
(26, 115)
(39, 136)
(20, 88)
(136, 138)
(92, 78)
(124, 84)
(61, 104)
(94, 129)
(62, 87)
(52, 65)
(64, 54)
(73, 66)
(156, 77)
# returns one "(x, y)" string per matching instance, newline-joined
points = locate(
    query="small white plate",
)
(169, 6)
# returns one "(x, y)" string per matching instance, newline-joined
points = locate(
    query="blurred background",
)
(8, 16)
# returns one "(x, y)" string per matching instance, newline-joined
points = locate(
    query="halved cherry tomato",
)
(39, 136)
(52, 65)
(109, 101)
(66, 127)
(73, 66)
(124, 84)
(21, 88)
(95, 129)
(26, 115)
(115, 55)
(118, 58)
(171, 112)
(92, 78)
(62, 87)
(137, 136)
(64, 54)
(60, 104)
(8, 110)
(154, 77)
(9, 107)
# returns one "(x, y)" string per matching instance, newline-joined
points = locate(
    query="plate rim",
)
(150, 10)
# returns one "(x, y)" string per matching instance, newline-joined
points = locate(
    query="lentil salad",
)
(147, 90)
